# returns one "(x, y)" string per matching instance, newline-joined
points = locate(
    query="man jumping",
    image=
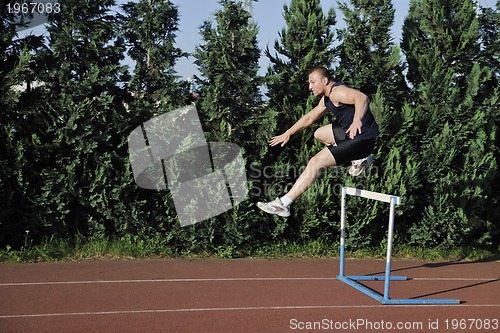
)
(350, 138)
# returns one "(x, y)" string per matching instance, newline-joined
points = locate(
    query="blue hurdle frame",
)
(352, 280)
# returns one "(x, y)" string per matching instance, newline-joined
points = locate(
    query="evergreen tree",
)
(489, 25)
(78, 149)
(304, 43)
(231, 107)
(17, 63)
(150, 28)
(368, 57)
(454, 127)
(228, 63)
(369, 61)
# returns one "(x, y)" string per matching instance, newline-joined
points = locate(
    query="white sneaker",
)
(358, 166)
(274, 207)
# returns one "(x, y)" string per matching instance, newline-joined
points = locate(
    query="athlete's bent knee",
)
(317, 134)
(320, 136)
(314, 163)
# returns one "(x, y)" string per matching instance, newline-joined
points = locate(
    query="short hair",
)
(322, 71)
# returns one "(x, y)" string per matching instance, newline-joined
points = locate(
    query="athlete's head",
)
(319, 77)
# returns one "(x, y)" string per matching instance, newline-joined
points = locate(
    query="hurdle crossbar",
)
(353, 280)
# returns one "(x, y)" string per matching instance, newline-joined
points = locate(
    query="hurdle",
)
(352, 280)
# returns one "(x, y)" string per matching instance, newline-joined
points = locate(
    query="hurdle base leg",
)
(376, 278)
(358, 286)
(353, 282)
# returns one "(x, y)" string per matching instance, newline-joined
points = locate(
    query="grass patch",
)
(54, 249)
(98, 248)
(286, 249)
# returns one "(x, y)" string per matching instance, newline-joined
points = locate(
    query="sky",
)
(267, 14)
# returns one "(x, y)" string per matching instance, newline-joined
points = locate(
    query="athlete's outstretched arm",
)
(305, 121)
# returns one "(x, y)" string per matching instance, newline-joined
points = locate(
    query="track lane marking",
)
(249, 308)
(191, 280)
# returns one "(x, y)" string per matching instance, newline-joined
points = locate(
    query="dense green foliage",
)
(68, 104)
(455, 101)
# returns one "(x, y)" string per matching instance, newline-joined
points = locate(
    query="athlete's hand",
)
(280, 139)
(354, 129)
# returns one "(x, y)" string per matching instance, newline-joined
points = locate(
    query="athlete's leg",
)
(281, 207)
(321, 160)
(324, 134)
(358, 166)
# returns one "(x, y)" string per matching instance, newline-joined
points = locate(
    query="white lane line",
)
(249, 308)
(457, 279)
(50, 283)
(157, 281)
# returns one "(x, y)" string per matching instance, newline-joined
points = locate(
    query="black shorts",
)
(347, 149)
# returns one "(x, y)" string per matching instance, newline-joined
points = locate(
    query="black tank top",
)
(344, 115)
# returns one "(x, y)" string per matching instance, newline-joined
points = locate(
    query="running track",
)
(242, 295)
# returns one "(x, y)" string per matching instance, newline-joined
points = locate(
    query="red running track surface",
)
(243, 295)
